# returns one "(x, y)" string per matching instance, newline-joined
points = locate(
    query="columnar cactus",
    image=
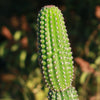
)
(68, 94)
(55, 54)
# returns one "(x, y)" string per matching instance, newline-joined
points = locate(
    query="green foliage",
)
(83, 77)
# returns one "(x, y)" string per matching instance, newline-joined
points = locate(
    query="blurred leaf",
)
(34, 79)
(34, 57)
(6, 32)
(14, 47)
(97, 61)
(6, 96)
(40, 95)
(85, 66)
(22, 58)
(2, 49)
(24, 41)
(83, 77)
(17, 35)
(98, 79)
(93, 66)
(30, 84)
(91, 54)
(23, 55)
(22, 64)
(7, 77)
(97, 12)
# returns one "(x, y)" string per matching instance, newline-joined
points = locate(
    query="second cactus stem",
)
(55, 54)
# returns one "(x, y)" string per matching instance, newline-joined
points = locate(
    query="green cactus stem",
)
(55, 54)
(68, 94)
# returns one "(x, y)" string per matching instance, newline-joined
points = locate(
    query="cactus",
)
(68, 94)
(55, 54)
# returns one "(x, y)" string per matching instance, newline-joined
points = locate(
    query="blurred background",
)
(20, 74)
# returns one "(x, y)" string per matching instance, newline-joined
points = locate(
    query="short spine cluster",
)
(55, 56)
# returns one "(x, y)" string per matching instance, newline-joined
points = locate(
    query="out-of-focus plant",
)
(21, 68)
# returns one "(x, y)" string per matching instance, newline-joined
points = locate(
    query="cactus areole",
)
(55, 54)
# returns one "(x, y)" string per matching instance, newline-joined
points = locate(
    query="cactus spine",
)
(55, 54)
(68, 94)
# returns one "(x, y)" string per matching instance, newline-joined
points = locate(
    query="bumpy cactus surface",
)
(55, 54)
(68, 94)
